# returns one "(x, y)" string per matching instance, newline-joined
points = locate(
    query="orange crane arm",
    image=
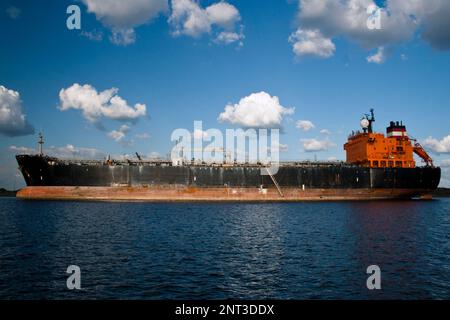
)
(420, 151)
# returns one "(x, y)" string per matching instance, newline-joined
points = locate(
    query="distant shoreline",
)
(7, 193)
(442, 193)
(439, 193)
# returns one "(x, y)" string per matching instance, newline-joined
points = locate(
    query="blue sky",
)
(184, 74)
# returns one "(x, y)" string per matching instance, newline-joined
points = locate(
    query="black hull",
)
(46, 171)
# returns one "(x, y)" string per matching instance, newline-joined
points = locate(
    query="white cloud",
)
(22, 150)
(305, 125)
(97, 105)
(445, 163)
(13, 121)
(93, 35)
(258, 110)
(379, 57)
(400, 20)
(435, 22)
(312, 145)
(438, 146)
(348, 18)
(226, 37)
(445, 178)
(123, 16)
(122, 37)
(13, 12)
(223, 14)
(154, 155)
(189, 18)
(325, 132)
(119, 135)
(69, 152)
(311, 42)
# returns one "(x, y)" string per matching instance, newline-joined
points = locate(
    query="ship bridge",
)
(376, 150)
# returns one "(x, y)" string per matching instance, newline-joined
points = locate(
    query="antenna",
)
(371, 120)
(367, 120)
(41, 143)
(138, 156)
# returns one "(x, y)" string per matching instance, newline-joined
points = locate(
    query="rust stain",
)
(212, 194)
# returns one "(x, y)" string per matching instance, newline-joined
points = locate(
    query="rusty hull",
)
(213, 194)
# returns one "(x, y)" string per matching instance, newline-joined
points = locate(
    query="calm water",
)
(215, 251)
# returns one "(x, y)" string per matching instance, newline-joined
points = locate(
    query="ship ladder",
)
(275, 182)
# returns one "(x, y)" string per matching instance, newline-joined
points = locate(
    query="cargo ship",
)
(377, 166)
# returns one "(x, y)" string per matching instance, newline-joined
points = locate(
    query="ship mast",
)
(371, 120)
(41, 143)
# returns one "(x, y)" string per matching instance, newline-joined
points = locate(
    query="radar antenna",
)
(367, 120)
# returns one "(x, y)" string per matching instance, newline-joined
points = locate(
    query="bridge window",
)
(391, 164)
(383, 164)
(375, 164)
(398, 164)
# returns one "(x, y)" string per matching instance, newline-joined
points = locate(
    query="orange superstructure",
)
(396, 149)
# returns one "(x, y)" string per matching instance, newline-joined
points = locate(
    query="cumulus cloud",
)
(314, 145)
(68, 152)
(122, 37)
(13, 121)
(258, 110)
(123, 16)
(119, 135)
(97, 105)
(445, 178)
(189, 18)
(311, 42)
(400, 20)
(227, 37)
(154, 155)
(223, 14)
(93, 35)
(434, 17)
(305, 125)
(445, 163)
(379, 57)
(22, 150)
(438, 146)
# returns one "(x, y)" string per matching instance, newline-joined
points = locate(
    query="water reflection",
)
(252, 251)
(390, 235)
(213, 251)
